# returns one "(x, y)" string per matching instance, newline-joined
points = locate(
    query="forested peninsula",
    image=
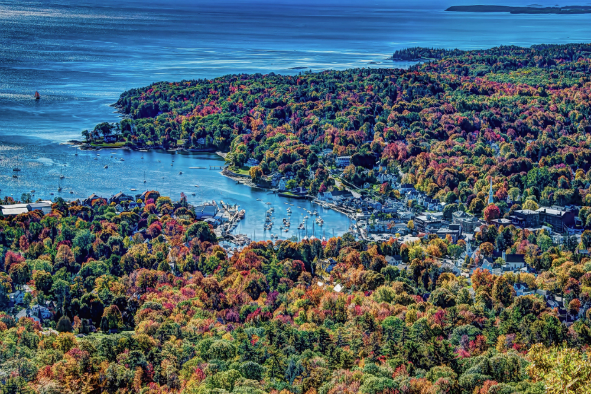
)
(566, 10)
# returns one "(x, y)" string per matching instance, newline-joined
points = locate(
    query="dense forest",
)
(146, 301)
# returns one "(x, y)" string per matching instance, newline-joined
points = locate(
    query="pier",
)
(234, 215)
(216, 167)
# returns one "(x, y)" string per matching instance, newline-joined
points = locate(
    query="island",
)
(575, 9)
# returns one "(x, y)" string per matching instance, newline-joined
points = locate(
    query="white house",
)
(343, 161)
(521, 289)
(282, 184)
(14, 209)
(41, 311)
(36, 312)
(17, 297)
(252, 162)
(335, 195)
(44, 206)
(513, 262)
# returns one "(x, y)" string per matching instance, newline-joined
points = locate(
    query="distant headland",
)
(573, 9)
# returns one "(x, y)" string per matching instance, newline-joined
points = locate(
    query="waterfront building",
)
(282, 184)
(17, 209)
(335, 195)
(120, 197)
(203, 212)
(14, 209)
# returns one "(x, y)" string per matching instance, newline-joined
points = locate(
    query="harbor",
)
(51, 171)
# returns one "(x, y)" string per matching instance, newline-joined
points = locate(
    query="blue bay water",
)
(80, 55)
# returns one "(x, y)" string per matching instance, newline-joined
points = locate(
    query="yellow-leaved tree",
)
(563, 370)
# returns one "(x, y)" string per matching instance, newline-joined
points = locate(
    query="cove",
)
(84, 173)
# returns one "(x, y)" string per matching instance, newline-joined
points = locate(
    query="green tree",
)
(503, 291)
(111, 318)
(64, 324)
(43, 281)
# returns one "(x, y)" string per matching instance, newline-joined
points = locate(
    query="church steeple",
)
(490, 193)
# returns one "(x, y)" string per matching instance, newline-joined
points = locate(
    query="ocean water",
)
(80, 55)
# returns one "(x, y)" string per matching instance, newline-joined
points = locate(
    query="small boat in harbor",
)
(180, 173)
(37, 96)
(133, 190)
(106, 167)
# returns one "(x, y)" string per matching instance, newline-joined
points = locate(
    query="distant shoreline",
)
(565, 10)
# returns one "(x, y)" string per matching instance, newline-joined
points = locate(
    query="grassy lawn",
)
(111, 145)
(241, 170)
